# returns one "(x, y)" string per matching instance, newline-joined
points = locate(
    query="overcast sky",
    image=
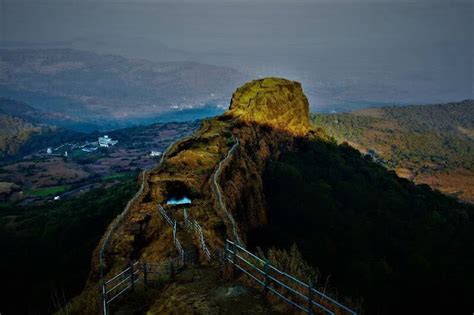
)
(343, 51)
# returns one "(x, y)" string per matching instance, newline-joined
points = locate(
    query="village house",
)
(106, 142)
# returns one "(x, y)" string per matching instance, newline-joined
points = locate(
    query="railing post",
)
(234, 258)
(265, 271)
(132, 277)
(234, 253)
(105, 308)
(226, 250)
(145, 274)
(310, 297)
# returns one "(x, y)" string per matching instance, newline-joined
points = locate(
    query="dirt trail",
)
(119, 218)
(203, 290)
(218, 190)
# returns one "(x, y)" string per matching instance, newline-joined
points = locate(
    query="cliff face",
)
(242, 177)
(272, 113)
(276, 102)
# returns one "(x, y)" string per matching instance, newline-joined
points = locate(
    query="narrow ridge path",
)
(218, 190)
(118, 219)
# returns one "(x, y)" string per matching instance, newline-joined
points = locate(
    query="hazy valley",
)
(87, 91)
(142, 172)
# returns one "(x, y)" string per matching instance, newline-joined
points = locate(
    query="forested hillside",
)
(432, 144)
(22, 129)
(14, 132)
(47, 248)
(397, 246)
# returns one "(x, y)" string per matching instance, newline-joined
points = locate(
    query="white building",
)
(106, 142)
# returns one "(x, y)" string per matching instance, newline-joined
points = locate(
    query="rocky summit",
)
(220, 169)
(276, 102)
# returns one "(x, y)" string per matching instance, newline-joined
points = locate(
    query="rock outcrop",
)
(276, 102)
(266, 118)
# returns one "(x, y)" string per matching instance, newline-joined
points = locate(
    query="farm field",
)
(68, 170)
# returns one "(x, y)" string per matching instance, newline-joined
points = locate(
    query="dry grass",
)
(45, 172)
(459, 183)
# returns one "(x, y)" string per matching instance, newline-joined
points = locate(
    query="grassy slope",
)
(47, 249)
(19, 136)
(22, 129)
(431, 144)
(15, 132)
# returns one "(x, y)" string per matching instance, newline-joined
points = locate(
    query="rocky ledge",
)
(276, 102)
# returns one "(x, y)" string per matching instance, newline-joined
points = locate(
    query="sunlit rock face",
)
(276, 102)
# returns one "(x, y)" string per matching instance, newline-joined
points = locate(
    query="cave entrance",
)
(177, 193)
(183, 201)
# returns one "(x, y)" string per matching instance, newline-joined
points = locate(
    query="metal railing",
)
(177, 243)
(165, 215)
(194, 226)
(218, 189)
(118, 220)
(119, 285)
(140, 273)
(173, 224)
(293, 291)
(303, 296)
(116, 223)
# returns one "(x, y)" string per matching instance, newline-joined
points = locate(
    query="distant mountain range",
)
(108, 90)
